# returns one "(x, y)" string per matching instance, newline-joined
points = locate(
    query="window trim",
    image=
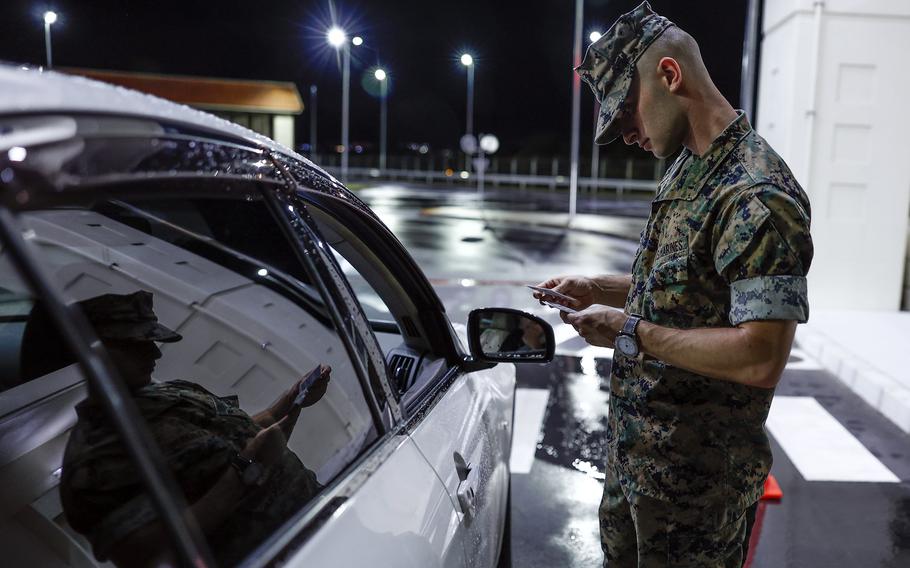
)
(299, 232)
(439, 331)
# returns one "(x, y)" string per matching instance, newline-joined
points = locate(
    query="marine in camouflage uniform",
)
(101, 491)
(727, 242)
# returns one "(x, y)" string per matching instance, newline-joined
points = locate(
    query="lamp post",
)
(314, 95)
(339, 40)
(382, 77)
(595, 149)
(468, 61)
(49, 19)
(576, 112)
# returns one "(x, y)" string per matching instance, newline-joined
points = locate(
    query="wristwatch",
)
(249, 471)
(626, 340)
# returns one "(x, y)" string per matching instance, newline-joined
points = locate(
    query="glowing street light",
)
(467, 60)
(382, 77)
(336, 37)
(49, 19)
(357, 40)
(595, 36)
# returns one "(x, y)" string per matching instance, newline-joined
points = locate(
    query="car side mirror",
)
(504, 334)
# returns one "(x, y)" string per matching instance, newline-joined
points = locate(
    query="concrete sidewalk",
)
(867, 351)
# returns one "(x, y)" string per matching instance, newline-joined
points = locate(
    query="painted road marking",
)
(819, 446)
(530, 407)
(596, 352)
(801, 361)
(563, 333)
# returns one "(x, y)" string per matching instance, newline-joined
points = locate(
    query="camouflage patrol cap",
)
(126, 317)
(609, 64)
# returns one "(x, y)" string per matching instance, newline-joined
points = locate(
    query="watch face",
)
(627, 345)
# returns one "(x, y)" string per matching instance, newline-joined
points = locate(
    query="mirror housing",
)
(511, 336)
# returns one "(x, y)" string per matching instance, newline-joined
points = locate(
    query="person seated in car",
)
(238, 476)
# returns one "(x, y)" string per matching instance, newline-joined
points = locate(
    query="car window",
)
(209, 315)
(43, 399)
(374, 308)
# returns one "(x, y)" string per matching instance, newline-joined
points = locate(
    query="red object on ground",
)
(772, 493)
(772, 490)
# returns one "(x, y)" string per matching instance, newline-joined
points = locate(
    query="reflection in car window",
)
(43, 389)
(214, 326)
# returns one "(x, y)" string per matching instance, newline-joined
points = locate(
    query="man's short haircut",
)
(681, 46)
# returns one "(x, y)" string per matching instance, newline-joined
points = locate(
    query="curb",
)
(885, 394)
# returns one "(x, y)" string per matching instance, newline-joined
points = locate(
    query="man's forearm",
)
(753, 354)
(614, 289)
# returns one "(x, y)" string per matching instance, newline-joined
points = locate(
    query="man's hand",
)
(284, 406)
(582, 288)
(598, 325)
(317, 391)
(268, 445)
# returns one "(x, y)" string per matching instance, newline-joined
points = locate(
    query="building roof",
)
(205, 92)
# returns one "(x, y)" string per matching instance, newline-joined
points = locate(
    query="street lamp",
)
(49, 19)
(576, 111)
(357, 41)
(336, 37)
(339, 40)
(595, 36)
(382, 77)
(468, 61)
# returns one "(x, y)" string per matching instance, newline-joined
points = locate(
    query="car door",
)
(460, 422)
(236, 268)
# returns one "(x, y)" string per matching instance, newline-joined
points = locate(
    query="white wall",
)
(852, 154)
(283, 130)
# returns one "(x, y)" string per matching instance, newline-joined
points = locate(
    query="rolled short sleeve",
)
(763, 250)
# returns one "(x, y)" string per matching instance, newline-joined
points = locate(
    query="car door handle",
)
(467, 488)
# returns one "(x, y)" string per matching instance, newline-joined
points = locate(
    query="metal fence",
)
(618, 176)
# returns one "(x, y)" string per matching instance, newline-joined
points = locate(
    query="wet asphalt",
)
(554, 507)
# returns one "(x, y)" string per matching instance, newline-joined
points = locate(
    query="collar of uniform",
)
(694, 171)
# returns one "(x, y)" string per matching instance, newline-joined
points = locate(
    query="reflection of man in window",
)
(236, 471)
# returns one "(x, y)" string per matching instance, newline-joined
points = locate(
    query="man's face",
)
(653, 118)
(135, 360)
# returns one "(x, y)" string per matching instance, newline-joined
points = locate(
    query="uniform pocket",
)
(666, 298)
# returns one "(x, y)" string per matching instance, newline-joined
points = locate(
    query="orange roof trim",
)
(207, 93)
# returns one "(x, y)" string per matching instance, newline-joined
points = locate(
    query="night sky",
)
(523, 52)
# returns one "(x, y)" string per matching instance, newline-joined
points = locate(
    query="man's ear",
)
(670, 73)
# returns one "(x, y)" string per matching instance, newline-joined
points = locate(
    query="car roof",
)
(24, 90)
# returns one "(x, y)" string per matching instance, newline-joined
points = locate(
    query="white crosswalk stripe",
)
(530, 408)
(819, 446)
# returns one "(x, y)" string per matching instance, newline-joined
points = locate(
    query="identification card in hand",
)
(560, 307)
(307, 384)
(550, 292)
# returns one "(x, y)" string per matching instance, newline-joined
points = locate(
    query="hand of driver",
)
(598, 324)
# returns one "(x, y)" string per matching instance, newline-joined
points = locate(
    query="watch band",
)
(631, 325)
